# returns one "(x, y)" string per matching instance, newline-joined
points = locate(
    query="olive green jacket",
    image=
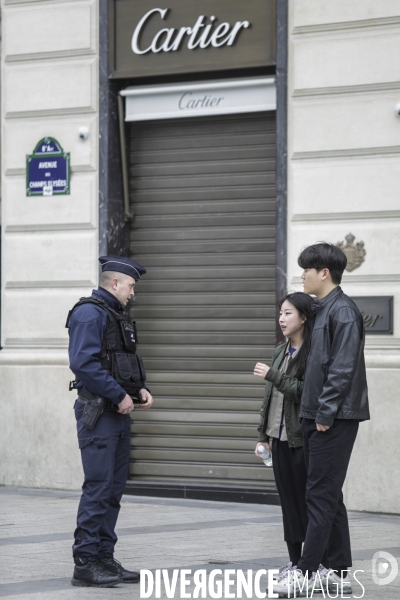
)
(291, 389)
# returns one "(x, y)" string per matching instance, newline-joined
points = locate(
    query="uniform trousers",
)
(290, 477)
(327, 456)
(105, 460)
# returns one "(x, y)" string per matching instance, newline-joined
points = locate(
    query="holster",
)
(92, 411)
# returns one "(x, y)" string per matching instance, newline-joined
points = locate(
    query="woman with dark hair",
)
(280, 428)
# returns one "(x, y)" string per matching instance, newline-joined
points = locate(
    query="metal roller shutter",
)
(203, 195)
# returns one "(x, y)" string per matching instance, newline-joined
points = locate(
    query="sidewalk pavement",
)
(36, 529)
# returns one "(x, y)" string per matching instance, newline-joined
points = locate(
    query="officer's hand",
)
(146, 398)
(126, 405)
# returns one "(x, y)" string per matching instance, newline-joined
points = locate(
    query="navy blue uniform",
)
(105, 448)
(87, 326)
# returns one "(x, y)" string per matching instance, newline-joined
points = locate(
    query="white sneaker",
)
(338, 585)
(282, 572)
(294, 584)
(323, 572)
(320, 581)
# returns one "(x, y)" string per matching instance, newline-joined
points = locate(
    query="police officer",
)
(109, 374)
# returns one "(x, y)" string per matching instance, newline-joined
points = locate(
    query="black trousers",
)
(105, 459)
(327, 456)
(291, 476)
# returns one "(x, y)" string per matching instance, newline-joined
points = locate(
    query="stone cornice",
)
(378, 215)
(341, 26)
(73, 53)
(42, 227)
(340, 90)
(28, 285)
(347, 153)
(36, 343)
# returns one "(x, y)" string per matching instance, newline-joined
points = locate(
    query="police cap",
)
(122, 264)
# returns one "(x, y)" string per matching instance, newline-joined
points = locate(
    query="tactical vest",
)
(118, 348)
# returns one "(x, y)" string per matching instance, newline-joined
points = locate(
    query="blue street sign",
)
(48, 169)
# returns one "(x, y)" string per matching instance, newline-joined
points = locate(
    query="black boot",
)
(113, 566)
(92, 574)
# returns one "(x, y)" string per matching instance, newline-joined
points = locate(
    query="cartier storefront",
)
(187, 143)
(191, 155)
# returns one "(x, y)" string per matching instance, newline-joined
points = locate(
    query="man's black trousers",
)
(327, 455)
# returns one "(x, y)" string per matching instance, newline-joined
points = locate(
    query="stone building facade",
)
(335, 140)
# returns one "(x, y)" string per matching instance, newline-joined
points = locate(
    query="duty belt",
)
(110, 406)
(85, 395)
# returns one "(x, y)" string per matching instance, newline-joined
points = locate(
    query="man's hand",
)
(126, 405)
(322, 427)
(261, 370)
(146, 398)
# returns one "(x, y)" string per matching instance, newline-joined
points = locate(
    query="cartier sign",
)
(185, 36)
(198, 99)
(201, 35)
(377, 312)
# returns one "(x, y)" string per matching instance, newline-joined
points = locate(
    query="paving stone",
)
(154, 533)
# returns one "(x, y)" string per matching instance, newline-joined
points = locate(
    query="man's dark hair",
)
(324, 256)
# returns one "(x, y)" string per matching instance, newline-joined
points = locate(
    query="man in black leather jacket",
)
(334, 401)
